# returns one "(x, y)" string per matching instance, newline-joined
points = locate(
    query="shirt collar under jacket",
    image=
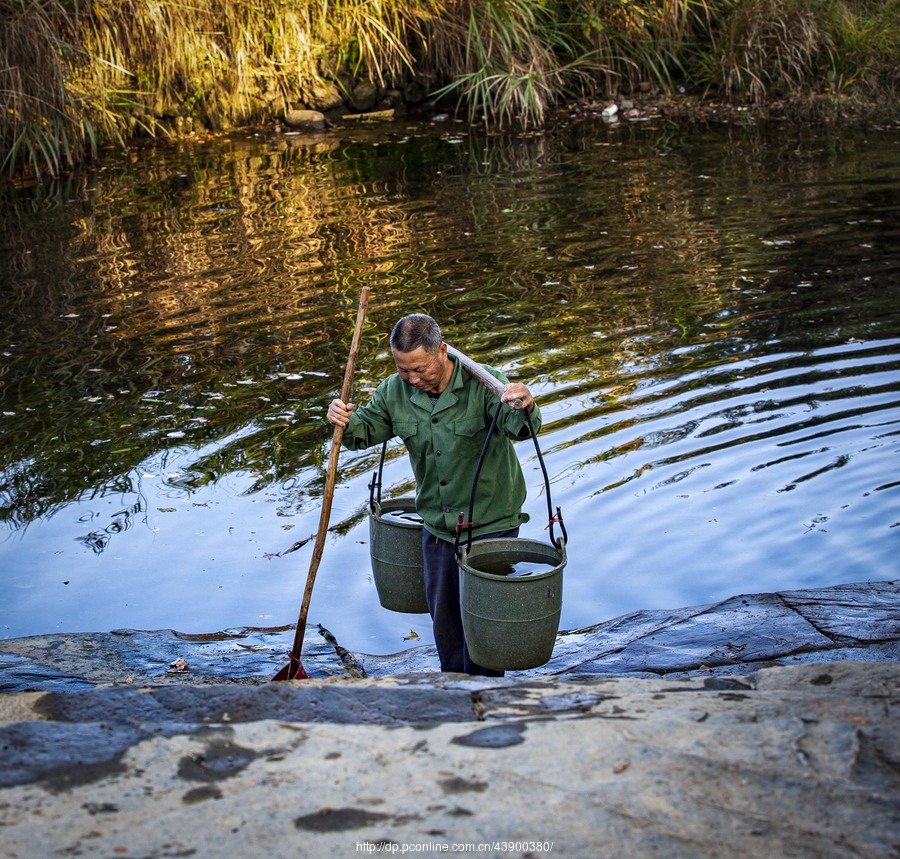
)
(448, 396)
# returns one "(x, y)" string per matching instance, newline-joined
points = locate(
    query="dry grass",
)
(506, 61)
(645, 40)
(769, 47)
(37, 125)
(805, 49)
(75, 75)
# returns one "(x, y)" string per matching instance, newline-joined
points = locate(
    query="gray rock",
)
(859, 622)
(304, 119)
(322, 95)
(364, 96)
(748, 727)
(799, 761)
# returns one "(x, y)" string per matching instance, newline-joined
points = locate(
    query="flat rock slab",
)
(799, 761)
(859, 622)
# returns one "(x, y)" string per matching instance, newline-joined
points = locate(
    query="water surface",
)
(709, 318)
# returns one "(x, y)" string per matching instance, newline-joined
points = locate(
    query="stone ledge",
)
(763, 725)
(800, 761)
(740, 635)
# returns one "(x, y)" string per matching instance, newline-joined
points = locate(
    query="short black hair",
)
(414, 331)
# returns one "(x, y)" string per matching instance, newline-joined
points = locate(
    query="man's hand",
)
(518, 396)
(339, 412)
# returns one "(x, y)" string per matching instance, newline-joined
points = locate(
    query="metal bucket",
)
(395, 547)
(511, 619)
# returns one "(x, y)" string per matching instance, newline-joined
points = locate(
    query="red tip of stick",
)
(294, 670)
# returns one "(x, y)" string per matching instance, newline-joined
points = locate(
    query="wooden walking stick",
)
(294, 669)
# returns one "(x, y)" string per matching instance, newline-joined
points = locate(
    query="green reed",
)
(77, 75)
(805, 50)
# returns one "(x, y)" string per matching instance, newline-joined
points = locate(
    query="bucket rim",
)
(386, 505)
(559, 549)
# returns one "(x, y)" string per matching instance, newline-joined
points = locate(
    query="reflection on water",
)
(517, 570)
(709, 318)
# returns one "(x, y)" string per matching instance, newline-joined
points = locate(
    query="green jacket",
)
(444, 446)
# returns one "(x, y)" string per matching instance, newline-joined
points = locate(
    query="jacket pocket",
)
(406, 429)
(470, 434)
(468, 426)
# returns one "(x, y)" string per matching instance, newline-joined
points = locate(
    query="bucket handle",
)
(550, 517)
(375, 482)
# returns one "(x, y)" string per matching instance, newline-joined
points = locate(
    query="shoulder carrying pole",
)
(479, 374)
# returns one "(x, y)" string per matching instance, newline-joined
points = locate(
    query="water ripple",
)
(709, 320)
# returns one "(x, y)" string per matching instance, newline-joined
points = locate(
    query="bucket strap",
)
(375, 482)
(551, 519)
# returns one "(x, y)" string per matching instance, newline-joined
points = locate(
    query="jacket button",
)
(434, 420)
(448, 509)
(443, 483)
(437, 453)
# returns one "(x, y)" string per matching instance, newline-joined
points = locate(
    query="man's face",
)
(428, 373)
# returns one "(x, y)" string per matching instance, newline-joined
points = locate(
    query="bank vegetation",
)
(78, 75)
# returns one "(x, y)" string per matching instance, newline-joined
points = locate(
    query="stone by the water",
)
(736, 636)
(763, 725)
(800, 761)
(308, 119)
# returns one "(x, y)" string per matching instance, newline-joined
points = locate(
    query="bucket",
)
(395, 547)
(511, 613)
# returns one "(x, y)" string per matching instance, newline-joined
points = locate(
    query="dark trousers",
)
(442, 595)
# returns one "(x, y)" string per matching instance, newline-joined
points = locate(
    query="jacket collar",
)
(448, 395)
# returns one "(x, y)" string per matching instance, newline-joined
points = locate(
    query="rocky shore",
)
(367, 104)
(859, 622)
(764, 725)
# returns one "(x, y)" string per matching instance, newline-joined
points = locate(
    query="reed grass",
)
(512, 64)
(771, 47)
(866, 39)
(645, 40)
(36, 127)
(511, 60)
(77, 75)
(801, 49)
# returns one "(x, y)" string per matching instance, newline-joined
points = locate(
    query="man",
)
(443, 417)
